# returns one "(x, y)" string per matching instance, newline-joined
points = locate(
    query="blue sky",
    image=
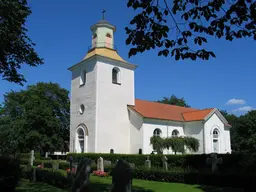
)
(61, 31)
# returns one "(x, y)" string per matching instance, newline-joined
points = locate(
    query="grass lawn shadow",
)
(219, 189)
(27, 186)
(103, 187)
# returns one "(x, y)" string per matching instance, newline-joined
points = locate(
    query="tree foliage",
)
(173, 100)
(181, 27)
(36, 118)
(177, 144)
(245, 133)
(16, 48)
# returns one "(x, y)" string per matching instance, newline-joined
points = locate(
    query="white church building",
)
(105, 116)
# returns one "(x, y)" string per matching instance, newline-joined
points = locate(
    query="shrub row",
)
(27, 155)
(235, 163)
(137, 159)
(10, 173)
(223, 180)
(57, 178)
(47, 163)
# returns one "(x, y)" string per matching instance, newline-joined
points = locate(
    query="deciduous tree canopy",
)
(36, 118)
(16, 48)
(173, 100)
(181, 27)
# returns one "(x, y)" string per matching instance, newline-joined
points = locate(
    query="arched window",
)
(157, 132)
(108, 35)
(83, 78)
(116, 75)
(94, 40)
(215, 140)
(215, 133)
(80, 134)
(175, 133)
(108, 40)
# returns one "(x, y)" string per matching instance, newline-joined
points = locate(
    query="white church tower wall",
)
(113, 126)
(83, 106)
(102, 87)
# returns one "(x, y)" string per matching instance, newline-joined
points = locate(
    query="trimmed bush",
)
(27, 155)
(224, 180)
(57, 178)
(232, 163)
(10, 173)
(47, 163)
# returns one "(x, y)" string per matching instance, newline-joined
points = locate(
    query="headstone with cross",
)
(81, 181)
(32, 158)
(100, 164)
(122, 177)
(214, 161)
(165, 164)
(148, 163)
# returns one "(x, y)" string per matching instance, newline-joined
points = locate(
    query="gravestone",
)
(148, 163)
(100, 165)
(107, 163)
(70, 163)
(122, 177)
(165, 164)
(32, 157)
(46, 154)
(34, 174)
(55, 165)
(81, 181)
(132, 165)
(214, 161)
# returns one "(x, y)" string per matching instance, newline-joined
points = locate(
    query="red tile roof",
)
(196, 115)
(155, 110)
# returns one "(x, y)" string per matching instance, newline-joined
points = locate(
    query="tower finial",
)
(103, 14)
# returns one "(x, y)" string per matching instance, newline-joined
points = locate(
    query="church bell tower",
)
(102, 86)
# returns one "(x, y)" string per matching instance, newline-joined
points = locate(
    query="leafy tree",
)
(38, 118)
(173, 100)
(181, 27)
(177, 144)
(16, 48)
(246, 132)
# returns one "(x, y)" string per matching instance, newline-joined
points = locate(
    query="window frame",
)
(175, 131)
(159, 132)
(118, 76)
(83, 78)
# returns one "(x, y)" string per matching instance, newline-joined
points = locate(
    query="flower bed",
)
(100, 173)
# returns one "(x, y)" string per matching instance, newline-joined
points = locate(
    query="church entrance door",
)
(216, 146)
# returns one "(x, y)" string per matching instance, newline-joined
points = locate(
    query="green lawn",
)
(26, 186)
(99, 184)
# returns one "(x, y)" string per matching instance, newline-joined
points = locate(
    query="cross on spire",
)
(103, 14)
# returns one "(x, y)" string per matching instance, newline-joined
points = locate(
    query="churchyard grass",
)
(103, 184)
(99, 184)
(27, 186)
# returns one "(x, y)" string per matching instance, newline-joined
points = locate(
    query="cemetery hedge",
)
(47, 163)
(200, 178)
(232, 163)
(10, 173)
(27, 155)
(57, 178)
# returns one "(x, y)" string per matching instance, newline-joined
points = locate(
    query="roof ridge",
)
(167, 104)
(198, 110)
